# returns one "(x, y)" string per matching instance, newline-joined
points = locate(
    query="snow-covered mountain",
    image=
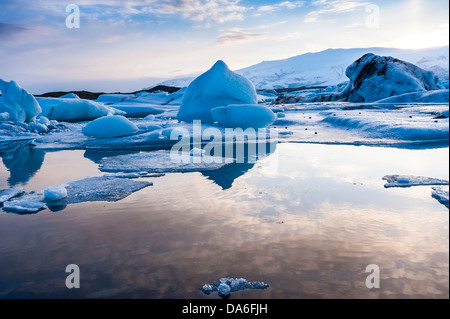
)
(328, 67)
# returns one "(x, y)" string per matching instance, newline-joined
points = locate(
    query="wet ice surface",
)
(6, 194)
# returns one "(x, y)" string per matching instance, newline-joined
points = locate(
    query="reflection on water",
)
(308, 228)
(225, 176)
(22, 161)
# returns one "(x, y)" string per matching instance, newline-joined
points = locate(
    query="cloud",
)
(200, 10)
(236, 35)
(282, 5)
(326, 7)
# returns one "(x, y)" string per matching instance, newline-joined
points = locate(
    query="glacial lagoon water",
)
(308, 220)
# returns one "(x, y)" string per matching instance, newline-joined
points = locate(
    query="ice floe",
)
(409, 180)
(7, 194)
(441, 195)
(160, 162)
(225, 286)
(90, 189)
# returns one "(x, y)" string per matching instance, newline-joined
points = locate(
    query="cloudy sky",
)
(128, 45)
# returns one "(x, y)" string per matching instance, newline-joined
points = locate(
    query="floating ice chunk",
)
(18, 103)
(243, 116)
(23, 206)
(69, 96)
(224, 290)
(408, 181)
(217, 87)
(441, 195)
(159, 162)
(74, 110)
(7, 194)
(281, 115)
(150, 117)
(55, 193)
(224, 285)
(110, 126)
(90, 189)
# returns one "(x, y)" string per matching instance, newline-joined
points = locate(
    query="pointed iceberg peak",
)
(220, 65)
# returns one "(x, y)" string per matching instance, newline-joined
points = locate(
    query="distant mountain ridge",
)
(328, 67)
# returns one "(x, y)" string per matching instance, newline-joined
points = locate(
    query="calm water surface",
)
(308, 220)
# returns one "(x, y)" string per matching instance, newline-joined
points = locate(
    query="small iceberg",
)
(408, 181)
(225, 286)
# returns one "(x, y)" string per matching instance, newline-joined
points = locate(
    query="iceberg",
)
(110, 126)
(217, 87)
(243, 116)
(408, 181)
(374, 77)
(20, 105)
(74, 110)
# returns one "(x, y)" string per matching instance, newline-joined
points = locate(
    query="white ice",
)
(55, 193)
(23, 206)
(409, 180)
(110, 126)
(7, 194)
(18, 103)
(73, 110)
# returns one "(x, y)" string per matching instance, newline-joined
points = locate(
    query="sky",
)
(128, 45)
